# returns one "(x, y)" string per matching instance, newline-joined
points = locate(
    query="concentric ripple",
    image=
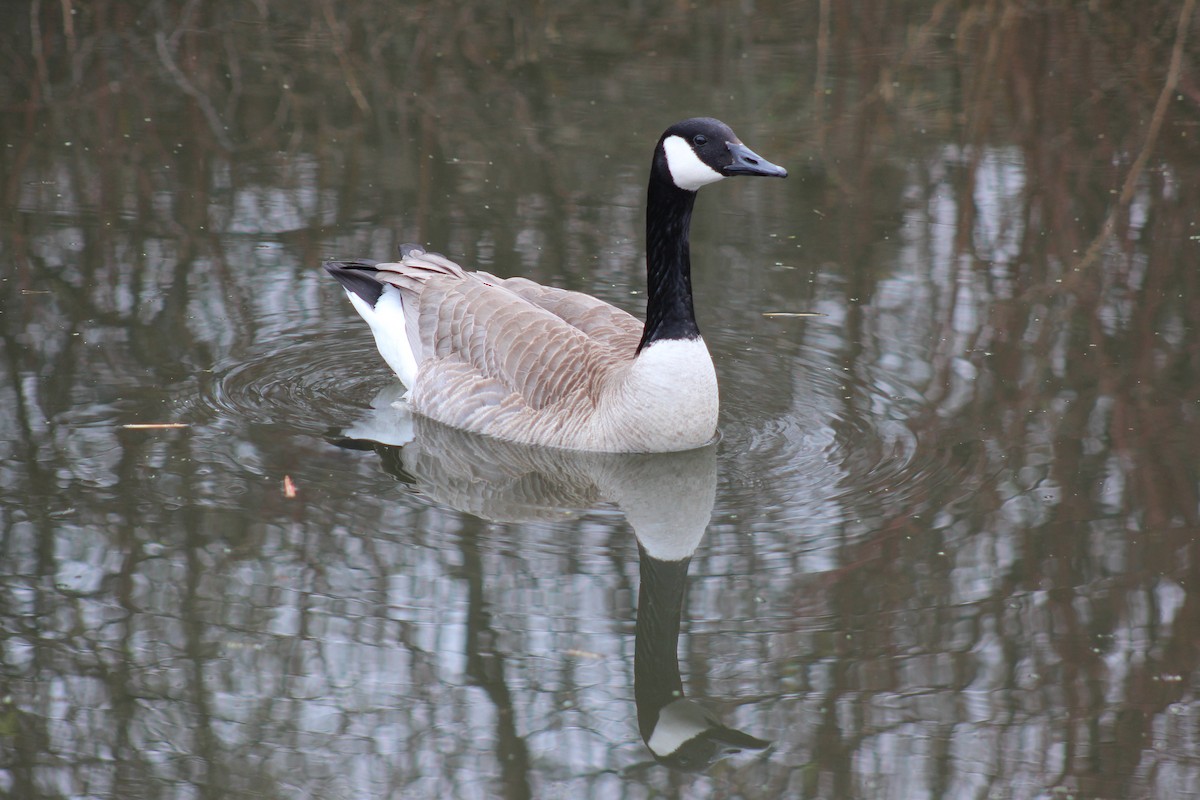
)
(826, 447)
(306, 381)
(845, 450)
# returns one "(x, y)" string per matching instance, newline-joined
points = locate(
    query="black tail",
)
(357, 276)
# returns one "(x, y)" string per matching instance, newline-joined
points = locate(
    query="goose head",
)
(702, 150)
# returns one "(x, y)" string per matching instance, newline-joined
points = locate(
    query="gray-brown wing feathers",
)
(599, 320)
(489, 349)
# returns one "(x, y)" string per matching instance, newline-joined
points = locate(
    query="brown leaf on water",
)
(289, 488)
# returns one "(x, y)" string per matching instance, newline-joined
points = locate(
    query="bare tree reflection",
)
(668, 500)
(1013, 609)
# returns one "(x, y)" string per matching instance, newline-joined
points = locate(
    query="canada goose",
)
(515, 360)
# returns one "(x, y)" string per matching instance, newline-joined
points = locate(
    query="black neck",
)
(669, 313)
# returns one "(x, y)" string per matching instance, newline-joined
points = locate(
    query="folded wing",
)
(499, 354)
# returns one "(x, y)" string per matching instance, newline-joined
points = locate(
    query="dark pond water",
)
(945, 547)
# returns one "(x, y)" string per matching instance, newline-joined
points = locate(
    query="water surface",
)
(946, 544)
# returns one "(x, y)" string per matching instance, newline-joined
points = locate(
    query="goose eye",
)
(699, 140)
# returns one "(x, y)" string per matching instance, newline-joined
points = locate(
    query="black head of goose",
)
(519, 361)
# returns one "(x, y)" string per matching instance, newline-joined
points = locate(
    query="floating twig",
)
(154, 426)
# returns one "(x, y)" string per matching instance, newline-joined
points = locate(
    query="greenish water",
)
(945, 547)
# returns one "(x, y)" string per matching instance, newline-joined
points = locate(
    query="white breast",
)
(668, 400)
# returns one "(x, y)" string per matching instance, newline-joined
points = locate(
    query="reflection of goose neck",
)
(656, 679)
(679, 732)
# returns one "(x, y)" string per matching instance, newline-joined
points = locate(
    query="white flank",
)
(687, 170)
(387, 323)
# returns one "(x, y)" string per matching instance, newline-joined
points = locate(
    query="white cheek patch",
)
(687, 170)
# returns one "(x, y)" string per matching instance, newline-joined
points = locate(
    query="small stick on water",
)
(793, 314)
(583, 654)
(154, 426)
(289, 488)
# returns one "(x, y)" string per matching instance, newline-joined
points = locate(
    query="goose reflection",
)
(667, 498)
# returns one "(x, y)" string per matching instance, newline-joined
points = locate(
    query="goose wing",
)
(601, 321)
(489, 352)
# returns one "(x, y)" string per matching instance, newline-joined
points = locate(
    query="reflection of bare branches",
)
(68, 15)
(339, 49)
(185, 20)
(818, 104)
(1091, 388)
(1135, 170)
(1088, 390)
(210, 114)
(39, 52)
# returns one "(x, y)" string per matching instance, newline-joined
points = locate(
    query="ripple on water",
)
(849, 451)
(842, 446)
(307, 381)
